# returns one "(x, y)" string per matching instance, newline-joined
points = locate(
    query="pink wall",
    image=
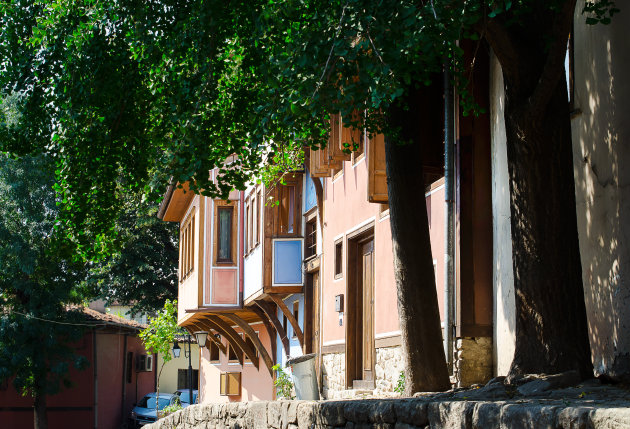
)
(256, 384)
(346, 209)
(74, 406)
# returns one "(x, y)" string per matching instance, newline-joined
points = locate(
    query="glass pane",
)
(225, 235)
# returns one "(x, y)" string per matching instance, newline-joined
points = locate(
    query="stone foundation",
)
(387, 370)
(473, 361)
(410, 413)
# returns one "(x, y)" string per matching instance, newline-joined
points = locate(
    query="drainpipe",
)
(124, 377)
(95, 363)
(449, 181)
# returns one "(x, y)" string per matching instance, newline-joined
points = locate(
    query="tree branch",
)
(554, 64)
(495, 32)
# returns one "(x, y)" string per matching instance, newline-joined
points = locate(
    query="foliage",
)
(142, 270)
(129, 95)
(161, 331)
(283, 383)
(400, 384)
(172, 408)
(38, 279)
(158, 336)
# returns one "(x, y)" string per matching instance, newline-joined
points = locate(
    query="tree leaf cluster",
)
(132, 95)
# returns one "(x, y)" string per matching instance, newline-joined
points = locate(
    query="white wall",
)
(502, 270)
(601, 148)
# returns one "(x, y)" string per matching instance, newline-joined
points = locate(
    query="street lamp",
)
(201, 336)
(176, 352)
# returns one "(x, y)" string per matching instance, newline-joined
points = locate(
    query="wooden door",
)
(367, 280)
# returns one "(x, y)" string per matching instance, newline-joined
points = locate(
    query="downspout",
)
(124, 377)
(449, 180)
(95, 363)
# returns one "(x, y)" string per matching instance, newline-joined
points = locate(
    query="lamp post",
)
(176, 352)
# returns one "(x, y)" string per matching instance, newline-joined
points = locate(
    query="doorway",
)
(360, 351)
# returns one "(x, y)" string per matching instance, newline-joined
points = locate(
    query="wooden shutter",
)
(230, 384)
(315, 166)
(335, 145)
(182, 379)
(351, 136)
(377, 175)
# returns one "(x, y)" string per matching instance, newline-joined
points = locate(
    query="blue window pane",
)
(287, 259)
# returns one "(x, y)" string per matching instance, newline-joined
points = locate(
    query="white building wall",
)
(502, 271)
(601, 148)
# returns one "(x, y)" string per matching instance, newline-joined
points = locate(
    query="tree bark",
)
(425, 363)
(551, 325)
(40, 416)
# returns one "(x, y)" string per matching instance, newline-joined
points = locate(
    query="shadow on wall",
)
(600, 149)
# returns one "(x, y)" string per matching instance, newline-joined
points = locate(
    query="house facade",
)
(103, 394)
(308, 265)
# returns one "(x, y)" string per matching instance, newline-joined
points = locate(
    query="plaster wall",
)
(256, 384)
(347, 209)
(253, 267)
(168, 379)
(188, 292)
(502, 271)
(601, 137)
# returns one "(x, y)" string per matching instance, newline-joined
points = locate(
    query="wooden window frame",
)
(259, 209)
(187, 247)
(236, 353)
(212, 346)
(220, 205)
(310, 219)
(338, 262)
(248, 340)
(296, 314)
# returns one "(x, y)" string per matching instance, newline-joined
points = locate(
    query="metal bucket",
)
(304, 377)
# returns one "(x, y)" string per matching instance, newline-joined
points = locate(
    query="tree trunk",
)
(40, 416)
(418, 312)
(551, 324)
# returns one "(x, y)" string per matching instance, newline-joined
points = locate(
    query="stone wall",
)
(389, 363)
(473, 361)
(333, 375)
(387, 369)
(399, 414)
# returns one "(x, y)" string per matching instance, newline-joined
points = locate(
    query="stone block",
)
(274, 414)
(411, 411)
(526, 415)
(450, 415)
(306, 415)
(486, 415)
(256, 416)
(331, 413)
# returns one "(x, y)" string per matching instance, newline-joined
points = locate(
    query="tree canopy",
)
(38, 280)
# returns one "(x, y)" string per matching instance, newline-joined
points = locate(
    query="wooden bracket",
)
(255, 339)
(268, 310)
(294, 323)
(230, 332)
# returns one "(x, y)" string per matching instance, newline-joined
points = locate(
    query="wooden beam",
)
(294, 323)
(268, 310)
(255, 339)
(231, 339)
(269, 327)
(251, 353)
(201, 326)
